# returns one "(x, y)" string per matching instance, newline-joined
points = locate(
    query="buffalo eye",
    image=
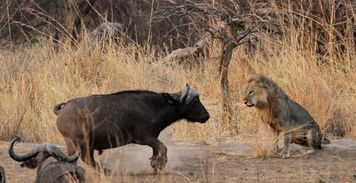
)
(195, 101)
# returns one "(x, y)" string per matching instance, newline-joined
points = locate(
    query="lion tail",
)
(57, 108)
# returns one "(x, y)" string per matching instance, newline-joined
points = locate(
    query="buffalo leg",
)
(88, 156)
(159, 157)
(70, 145)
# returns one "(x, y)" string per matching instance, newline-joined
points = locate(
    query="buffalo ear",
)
(171, 98)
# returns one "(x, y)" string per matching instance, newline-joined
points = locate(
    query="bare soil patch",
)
(213, 163)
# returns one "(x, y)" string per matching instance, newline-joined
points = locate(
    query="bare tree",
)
(232, 33)
(230, 41)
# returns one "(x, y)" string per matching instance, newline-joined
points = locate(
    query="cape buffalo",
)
(52, 164)
(101, 122)
(2, 175)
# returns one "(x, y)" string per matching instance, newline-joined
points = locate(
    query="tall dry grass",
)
(35, 78)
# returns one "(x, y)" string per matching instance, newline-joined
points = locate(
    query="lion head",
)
(260, 92)
(256, 92)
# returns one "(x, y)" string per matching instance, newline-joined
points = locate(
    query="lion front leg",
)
(276, 140)
(286, 149)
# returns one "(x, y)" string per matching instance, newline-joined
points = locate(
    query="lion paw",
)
(283, 155)
(310, 152)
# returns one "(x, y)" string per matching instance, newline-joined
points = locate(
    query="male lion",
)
(282, 113)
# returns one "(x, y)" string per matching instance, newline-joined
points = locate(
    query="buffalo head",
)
(40, 153)
(191, 107)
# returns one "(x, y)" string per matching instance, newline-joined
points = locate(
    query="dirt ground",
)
(213, 163)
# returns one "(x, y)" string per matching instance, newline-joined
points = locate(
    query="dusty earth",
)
(213, 163)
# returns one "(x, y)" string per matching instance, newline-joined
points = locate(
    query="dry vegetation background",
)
(35, 77)
(307, 47)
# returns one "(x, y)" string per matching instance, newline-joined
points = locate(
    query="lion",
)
(282, 114)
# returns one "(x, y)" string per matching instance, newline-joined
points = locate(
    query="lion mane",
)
(274, 95)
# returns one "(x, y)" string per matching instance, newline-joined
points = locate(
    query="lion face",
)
(256, 94)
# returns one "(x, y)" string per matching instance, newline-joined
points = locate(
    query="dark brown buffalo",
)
(53, 166)
(2, 175)
(101, 122)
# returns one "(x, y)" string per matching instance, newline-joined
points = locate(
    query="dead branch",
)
(84, 9)
(188, 51)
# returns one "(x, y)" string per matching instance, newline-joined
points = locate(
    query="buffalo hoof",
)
(155, 163)
(155, 171)
(158, 163)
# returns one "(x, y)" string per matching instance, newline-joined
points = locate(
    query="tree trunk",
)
(225, 59)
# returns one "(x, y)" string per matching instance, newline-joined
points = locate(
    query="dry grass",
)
(263, 143)
(35, 78)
